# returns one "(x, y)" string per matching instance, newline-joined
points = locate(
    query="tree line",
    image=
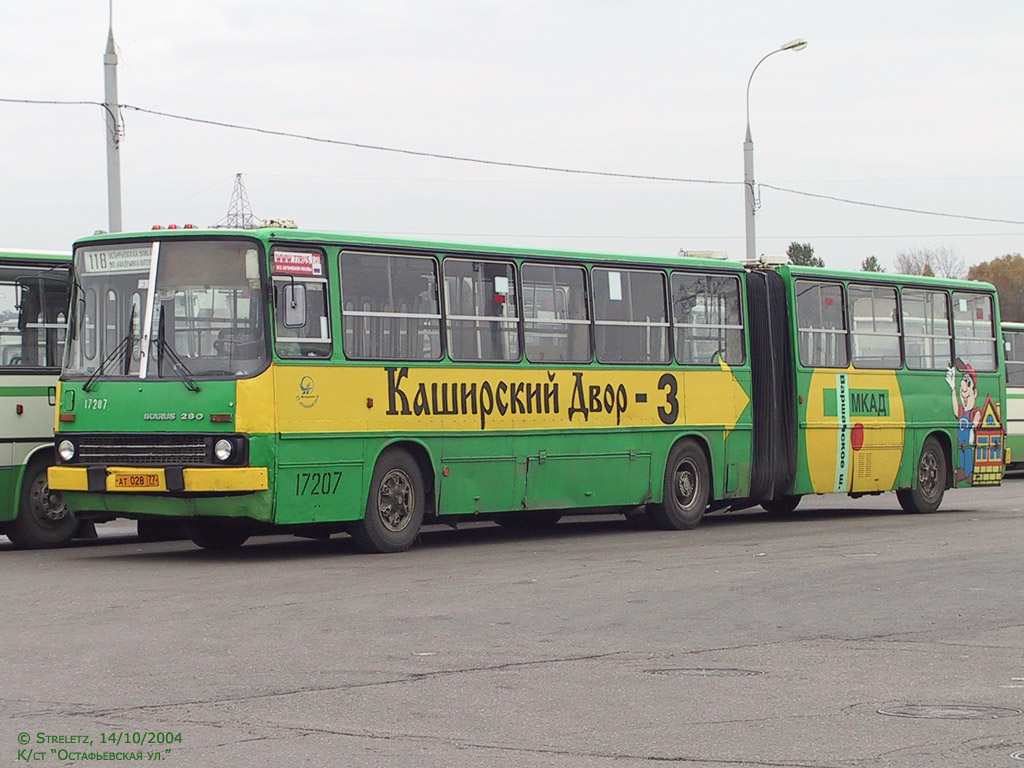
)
(1006, 273)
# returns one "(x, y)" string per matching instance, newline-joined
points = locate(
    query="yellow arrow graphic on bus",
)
(409, 398)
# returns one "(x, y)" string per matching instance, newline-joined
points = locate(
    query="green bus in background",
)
(252, 381)
(1013, 343)
(33, 316)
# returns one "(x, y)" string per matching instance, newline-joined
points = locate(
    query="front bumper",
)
(207, 480)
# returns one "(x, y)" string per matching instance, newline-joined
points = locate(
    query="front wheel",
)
(930, 483)
(394, 507)
(43, 520)
(686, 491)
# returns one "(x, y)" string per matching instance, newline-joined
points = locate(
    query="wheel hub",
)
(47, 505)
(686, 484)
(396, 500)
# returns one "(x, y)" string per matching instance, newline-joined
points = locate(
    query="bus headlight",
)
(66, 450)
(223, 449)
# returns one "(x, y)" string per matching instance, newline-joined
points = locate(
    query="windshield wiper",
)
(123, 349)
(177, 365)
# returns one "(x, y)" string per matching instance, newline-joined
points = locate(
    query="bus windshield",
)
(202, 317)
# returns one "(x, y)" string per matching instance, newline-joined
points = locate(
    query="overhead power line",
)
(419, 153)
(505, 163)
(889, 207)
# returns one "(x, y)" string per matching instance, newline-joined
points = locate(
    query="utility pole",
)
(115, 131)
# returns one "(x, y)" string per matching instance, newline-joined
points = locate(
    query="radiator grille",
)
(143, 450)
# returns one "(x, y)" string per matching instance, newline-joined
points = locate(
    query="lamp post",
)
(748, 151)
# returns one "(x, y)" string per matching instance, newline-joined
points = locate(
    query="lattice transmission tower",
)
(239, 215)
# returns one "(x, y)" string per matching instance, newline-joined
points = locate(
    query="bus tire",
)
(686, 491)
(394, 506)
(930, 482)
(217, 533)
(782, 505)
(43, 520)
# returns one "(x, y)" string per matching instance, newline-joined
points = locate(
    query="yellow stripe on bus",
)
(312, 399)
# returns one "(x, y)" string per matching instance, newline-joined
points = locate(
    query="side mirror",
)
(294, 305)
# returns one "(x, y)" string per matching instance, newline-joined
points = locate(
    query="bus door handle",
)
(51, 395)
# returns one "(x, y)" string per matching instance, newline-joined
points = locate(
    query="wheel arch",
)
(41, 454)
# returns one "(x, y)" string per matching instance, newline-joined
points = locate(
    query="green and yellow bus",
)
(1013, 343)
(33, 316)
(294, 381)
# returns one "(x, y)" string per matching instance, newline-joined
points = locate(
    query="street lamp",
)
(748, 151)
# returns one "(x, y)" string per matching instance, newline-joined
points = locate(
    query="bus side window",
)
(555, 319)
(821, 324)
(707, 319)
(482, 307)
(927, 340)
(874, 327)
(973, 330)
(630, 316)
(1014, 357)
(10, 336)
(378, 289)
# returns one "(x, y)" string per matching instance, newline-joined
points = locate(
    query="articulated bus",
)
(33, 315)
(278, 380)
(1013, 343)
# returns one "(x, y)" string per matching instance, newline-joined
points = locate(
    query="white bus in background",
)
(33, 317)
(1013, 417)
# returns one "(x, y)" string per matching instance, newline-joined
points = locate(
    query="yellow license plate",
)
(138, 481)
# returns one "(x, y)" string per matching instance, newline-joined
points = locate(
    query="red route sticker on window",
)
(305, 263)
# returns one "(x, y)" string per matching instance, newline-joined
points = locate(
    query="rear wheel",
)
(686, 491)
(43, 520)
(227, 533)
(394, 507)
(930, 482)
(782, 505)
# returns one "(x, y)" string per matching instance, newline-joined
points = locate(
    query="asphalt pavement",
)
(843, 634)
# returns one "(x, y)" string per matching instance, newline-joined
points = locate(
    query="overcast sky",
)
(909, 104)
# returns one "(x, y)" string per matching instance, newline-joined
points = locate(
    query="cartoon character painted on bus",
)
(979, 435)
(968, 417)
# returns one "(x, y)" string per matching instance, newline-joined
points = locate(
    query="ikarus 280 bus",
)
(310, 382)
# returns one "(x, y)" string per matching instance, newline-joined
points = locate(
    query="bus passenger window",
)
(821, 324)
(630, 316)
(1014, 341)
(974, 336)
(927, 340)
(32, 322)
(390, 307)
(555, 320)
(707, 319)
(874, 327)
(482, 319)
